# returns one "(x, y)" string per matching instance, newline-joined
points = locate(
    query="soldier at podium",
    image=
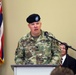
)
(37, 48)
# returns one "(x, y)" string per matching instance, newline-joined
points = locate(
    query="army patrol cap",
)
(33, 18)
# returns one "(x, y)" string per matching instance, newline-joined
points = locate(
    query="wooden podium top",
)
(32, 69)
(12, 66)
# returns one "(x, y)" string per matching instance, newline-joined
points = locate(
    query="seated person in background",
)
(62, 71)
(35, 47)
(67, 61)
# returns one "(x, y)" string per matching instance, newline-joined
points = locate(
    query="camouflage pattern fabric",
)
(36, 51)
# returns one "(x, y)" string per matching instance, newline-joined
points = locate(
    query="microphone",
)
(46, 33)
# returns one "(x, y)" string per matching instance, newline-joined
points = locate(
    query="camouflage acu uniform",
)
(41, 50)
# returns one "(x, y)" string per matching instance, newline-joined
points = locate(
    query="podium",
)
(32, 69)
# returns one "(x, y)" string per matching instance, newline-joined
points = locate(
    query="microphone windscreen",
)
(46, 33)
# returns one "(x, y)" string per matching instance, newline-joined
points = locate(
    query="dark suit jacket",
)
(70, 62)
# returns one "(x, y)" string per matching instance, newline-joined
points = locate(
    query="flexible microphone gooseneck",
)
(47, 35)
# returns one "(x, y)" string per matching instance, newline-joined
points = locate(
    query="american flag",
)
(1, 35)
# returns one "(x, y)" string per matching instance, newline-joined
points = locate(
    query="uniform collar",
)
(42, 37)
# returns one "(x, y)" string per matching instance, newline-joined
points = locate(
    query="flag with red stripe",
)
(1, 35)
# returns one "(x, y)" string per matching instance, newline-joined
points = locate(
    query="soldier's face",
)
(63, 50)
(35, 28)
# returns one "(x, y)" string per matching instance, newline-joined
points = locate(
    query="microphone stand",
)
(62, 43)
